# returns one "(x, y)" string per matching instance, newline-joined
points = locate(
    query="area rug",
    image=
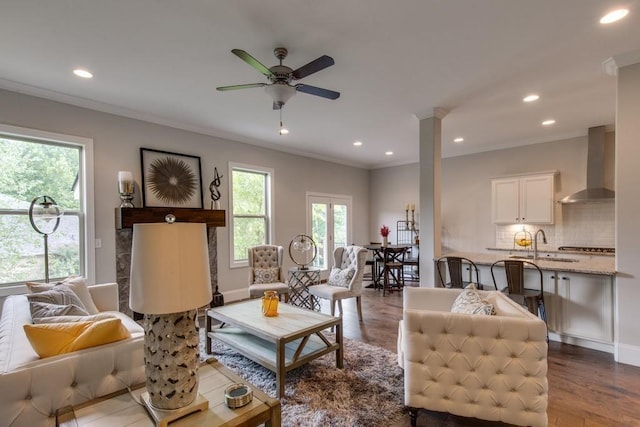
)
(368, 391)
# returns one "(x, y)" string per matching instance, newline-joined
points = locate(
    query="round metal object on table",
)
(237, 395)
(303, 251)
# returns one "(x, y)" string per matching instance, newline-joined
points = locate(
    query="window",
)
(34, 164)
(250, 209)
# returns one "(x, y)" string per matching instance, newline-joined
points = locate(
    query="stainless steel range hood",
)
(595, 191)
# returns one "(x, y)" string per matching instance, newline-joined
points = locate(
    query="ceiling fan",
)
(280, 77)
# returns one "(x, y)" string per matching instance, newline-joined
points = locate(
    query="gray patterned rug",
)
(367, 392)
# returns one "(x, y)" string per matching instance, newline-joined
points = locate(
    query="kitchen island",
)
(578, 294)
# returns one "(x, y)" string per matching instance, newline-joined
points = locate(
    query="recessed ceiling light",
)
(531, 98)
(460, 139)
(358, 143)
(548, 122)
(614, 16)
(388, 153)
(82, 73)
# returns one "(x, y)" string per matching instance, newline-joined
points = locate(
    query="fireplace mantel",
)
(126, 217)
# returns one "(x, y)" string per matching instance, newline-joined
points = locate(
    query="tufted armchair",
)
(345, 279)
(488, 367)
(265, 271)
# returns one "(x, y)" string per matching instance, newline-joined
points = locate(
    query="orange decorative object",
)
(270, 304)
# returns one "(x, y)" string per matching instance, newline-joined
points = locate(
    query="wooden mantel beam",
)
(126, 217)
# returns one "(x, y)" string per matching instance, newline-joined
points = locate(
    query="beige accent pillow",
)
(470, 302)
(266, 275)
(341, 277)
(76, 283)
(74, 318)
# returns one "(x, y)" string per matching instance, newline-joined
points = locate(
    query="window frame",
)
(86, 216)
(269, 214)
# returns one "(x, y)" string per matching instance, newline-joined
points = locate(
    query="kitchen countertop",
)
(553, 251)
(604, 265)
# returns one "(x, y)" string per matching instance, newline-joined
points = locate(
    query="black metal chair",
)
(533, 299)
(455, 267)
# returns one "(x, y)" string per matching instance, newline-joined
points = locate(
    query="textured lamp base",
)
(162, 417)
(171, 359)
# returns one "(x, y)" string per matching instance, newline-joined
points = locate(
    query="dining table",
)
(378, 277)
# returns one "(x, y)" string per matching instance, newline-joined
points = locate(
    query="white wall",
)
(117, 142)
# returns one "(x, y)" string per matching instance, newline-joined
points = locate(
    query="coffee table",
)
(120, 409)
(279, 343)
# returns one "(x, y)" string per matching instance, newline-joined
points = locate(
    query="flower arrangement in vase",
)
(384, 232)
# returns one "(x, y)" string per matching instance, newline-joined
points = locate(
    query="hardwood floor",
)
(586, 387)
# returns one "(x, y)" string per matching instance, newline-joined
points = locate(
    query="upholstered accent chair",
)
(345, 279)
(265, 271)
(491, 367)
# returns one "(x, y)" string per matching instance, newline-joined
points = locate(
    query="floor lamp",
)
(44, 216)
(170, 279)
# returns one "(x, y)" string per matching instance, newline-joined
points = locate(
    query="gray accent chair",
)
(265, 257)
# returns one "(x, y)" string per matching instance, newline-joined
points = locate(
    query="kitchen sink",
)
(530, 257)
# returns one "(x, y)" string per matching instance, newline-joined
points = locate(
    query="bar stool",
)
(533, 299)
(454, 267)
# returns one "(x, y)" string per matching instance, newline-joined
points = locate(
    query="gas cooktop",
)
(588, 249)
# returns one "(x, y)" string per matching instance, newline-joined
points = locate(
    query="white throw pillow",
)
(470, 302)
(76, 283)
(266, 275)
(341, 277)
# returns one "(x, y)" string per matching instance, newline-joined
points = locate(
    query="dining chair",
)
(533, 299)
(393, 268)
(455, 266)
(374, 261)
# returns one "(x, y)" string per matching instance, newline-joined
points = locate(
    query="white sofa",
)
(487, 367)
(32, 389)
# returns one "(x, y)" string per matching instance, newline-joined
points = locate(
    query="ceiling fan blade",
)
(235, 87)
(252, 61)
(312, 67)
(318, 91)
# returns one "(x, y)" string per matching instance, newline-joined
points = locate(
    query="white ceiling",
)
(161, 60)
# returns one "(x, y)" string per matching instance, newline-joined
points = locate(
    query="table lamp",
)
(170, 279)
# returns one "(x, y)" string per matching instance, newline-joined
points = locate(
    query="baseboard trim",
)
(581, 342)
(627, 354)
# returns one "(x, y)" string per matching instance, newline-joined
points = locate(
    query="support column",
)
(627, 291)
(430, 209)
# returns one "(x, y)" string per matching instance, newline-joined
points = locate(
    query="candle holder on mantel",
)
(126, 189)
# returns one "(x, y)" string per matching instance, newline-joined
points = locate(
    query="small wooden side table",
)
(120, 409)
(299, 282)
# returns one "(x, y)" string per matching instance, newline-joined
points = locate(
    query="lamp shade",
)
(169, 268)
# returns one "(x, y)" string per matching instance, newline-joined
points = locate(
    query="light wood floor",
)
(586, 387)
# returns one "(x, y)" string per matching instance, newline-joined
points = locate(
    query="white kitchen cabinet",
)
(523, 199)
(585, 306)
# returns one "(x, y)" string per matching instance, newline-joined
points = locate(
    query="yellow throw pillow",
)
(57, 338)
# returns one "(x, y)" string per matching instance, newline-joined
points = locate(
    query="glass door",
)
(328, 224)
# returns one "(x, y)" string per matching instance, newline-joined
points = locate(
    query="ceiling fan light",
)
(280, 92)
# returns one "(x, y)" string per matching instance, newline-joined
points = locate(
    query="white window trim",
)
(87, 184)
(270, 210)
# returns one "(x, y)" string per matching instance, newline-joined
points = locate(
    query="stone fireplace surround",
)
(124, 235)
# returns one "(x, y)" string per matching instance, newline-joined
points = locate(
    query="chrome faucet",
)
(535, 242)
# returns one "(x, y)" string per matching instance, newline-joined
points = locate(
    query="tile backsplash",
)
(586, 224)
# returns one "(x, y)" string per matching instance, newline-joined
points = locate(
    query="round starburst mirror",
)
(303, 251)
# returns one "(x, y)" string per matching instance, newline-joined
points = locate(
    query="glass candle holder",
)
(270, 304)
